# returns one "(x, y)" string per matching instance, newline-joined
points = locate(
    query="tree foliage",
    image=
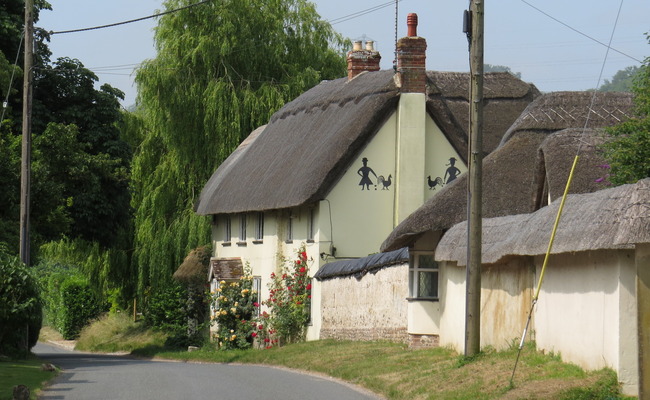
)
(622, 81)
(80, 164)
(500, 68)
(221, 70)
(628, 153)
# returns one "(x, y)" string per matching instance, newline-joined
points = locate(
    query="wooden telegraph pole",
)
(25, 171)
(474, 187)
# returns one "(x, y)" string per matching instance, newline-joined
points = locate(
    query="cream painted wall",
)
(439, 151)
(265, 257)
(506, 297)
(362, 219)
(583, 310)
(411, 154)
(423, 317)
(452, 306)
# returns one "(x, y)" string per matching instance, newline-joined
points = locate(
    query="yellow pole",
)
(555, 225)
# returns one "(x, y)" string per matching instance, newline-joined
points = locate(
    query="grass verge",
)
(396, 372)
(117, 332)
(22, 372)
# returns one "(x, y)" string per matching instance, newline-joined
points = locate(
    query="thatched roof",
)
(615, 218)
(306, 146)
(533, 163)
(194, 268)
(359, 267)
(561, 110)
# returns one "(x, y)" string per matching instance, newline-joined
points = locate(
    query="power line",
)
(362, 12)
(579, 32)
(130, 21)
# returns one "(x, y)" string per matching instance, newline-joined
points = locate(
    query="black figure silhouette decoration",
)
(365, 171)
(452, 171)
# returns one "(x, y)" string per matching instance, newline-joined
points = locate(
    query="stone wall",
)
(372, 308)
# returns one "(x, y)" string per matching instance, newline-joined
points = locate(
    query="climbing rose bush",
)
(235, 305)
(288, 304)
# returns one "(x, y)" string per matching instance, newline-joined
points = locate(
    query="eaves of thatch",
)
(531, 164)
(306, 146)
(614, 218)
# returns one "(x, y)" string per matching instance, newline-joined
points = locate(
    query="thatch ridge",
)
(614, 218)
(555, 111)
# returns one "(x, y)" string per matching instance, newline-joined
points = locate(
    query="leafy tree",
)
(628, 153)
(622, 81)
(500, 68)
(221, 70)
(20, 308)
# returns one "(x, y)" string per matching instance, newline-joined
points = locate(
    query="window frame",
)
(414, 272)
(259, 228)
(242, 230)
(311, 225)
(289, 235)
(227, 229)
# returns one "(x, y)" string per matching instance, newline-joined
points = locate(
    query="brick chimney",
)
(411, 56)
(360, 60)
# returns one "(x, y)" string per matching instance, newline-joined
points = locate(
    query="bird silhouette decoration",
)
(385, 183)
(434, 183)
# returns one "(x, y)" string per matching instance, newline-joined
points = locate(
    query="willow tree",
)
(222, 68)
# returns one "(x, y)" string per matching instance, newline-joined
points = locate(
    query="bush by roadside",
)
(20, 306)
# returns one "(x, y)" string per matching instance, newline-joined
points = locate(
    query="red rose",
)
(302, 269)
(254, 334)
(308, 286)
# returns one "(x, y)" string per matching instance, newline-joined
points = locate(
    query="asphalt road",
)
(97, 376)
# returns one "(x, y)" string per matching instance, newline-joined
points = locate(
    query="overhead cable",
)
(581, 33)
(131, 20)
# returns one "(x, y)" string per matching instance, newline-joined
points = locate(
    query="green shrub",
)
(20, 306)
(79, 306)
(166, 309)
(50, 277)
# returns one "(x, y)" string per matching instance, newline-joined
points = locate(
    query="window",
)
(423, 276)
(290, 228)
(311, 225)
(257, 286)
(242, 229)
(259, 228)
(227, 229)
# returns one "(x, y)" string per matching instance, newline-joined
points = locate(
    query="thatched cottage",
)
(340, 166)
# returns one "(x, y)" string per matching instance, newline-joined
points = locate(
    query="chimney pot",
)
(412, 23)
(362, 60)
(411, 57)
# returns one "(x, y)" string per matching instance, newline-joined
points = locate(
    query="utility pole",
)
(25, 170)
(474, 186)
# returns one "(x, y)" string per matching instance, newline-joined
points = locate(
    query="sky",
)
(552, 43)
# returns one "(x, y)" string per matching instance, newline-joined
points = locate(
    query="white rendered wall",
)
(586, 311)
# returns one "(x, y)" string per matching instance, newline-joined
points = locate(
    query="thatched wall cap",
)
(194, 268)
(615, 218)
